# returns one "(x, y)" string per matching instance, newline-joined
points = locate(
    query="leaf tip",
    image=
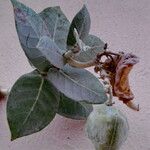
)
(11, 140)
(14, 2)
(57, 7)
(84, 7)
(13, 137)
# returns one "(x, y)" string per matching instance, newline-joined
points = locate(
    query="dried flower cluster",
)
(116, 67)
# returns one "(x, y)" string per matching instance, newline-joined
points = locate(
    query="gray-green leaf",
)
(78, 84)
(57, 24)
(51, 51)
(75, 110)
(30, 27)
(31, 106)
(82, 23)
(97, 46)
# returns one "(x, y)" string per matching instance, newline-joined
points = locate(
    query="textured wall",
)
(124, 25)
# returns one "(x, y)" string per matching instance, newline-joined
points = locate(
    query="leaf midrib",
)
(55, 28)
(83, 23)
(36, 100)
(67, 76)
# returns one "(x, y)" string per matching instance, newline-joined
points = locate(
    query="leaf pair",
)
(82, 22)
(32, 28)
(33, 103)
(34, 100)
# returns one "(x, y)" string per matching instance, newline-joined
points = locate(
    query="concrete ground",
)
(125, 26)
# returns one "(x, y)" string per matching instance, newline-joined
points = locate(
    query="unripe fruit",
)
(107, 127)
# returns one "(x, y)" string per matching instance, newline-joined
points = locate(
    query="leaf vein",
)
(36, 100)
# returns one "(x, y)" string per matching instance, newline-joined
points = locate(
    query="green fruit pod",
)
(107, 127)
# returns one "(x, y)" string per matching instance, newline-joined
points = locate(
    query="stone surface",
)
(125, 26)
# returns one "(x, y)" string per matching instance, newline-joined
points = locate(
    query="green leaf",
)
(31, 106)
(97, 46)
(51, 51)
(75, 110)
(30, 27)
(78, 84)
(57, 24)
(82, 23)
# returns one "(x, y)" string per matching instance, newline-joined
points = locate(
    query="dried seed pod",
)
(107, 127)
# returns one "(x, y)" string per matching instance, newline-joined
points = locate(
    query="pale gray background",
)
(125, 25)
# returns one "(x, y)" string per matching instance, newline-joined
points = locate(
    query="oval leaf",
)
(75, 110)
(97, 46)
(78, 84)
(57, 24)
(51, 51)
(30, 27)
(82, 23)
(31, 106)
